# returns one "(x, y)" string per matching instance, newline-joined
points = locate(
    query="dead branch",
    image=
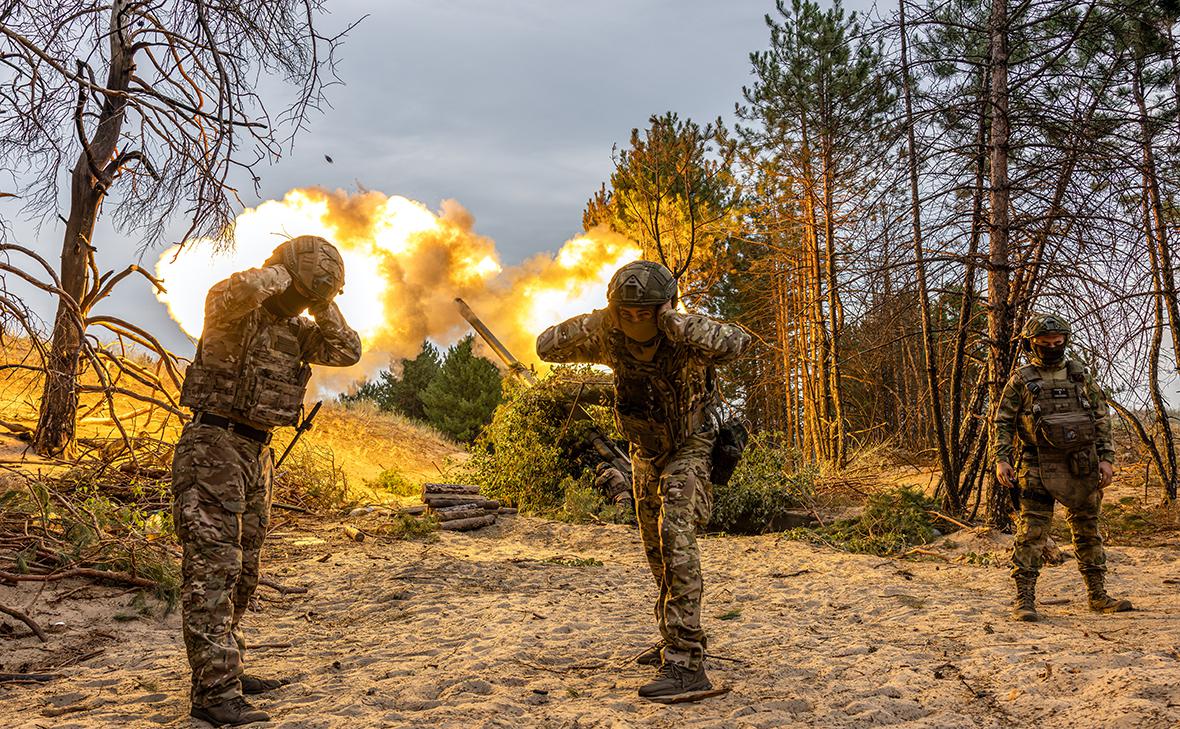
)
(87, 572)
(27, 621)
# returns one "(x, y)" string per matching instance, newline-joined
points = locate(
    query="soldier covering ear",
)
(665, 399)
(248, 377)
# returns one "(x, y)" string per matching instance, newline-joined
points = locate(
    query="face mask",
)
(287, 304)
(1049, 355)
(642, 331)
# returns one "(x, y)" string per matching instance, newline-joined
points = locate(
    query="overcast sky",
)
(509, 107)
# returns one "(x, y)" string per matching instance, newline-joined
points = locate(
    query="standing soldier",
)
(249, 376)
(665, 405)
(1057, 413)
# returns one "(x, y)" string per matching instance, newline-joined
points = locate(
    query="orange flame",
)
(404, 265)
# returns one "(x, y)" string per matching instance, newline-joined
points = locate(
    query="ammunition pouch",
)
(728, 446)
(1069, 431)
(652, 436)
(209, 388)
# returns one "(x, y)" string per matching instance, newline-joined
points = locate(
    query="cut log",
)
(353, 533)
(462, 511)
(462, 525)
(412, 510)
(449, 488)
(507, 510)
(439, 502)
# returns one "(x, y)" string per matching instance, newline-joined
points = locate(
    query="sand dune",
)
(490, 630)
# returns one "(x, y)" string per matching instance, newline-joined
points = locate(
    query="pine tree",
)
(402, 393)
(460, 400)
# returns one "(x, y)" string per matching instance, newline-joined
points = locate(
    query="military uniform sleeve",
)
(329, 341)
(1097, 399)
(1007, 415)
(718, 341)
(580, 339)
(243, 292)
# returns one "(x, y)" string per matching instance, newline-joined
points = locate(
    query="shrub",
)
(769, 482)
(891, 522)
(311, 477)
(394, 482)
(533, 450)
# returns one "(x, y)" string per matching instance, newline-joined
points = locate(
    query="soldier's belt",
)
(255, 434)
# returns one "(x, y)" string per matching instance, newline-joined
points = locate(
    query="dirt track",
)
(480, 631)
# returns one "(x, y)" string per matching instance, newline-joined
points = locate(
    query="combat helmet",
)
(642, 283)
(1045, 323)
(315, 265)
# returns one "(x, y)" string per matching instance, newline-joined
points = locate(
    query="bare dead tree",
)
(158, 104)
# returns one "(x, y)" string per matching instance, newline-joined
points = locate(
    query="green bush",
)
(892, 522)
(394, 482)
(769, 482)
(533, 451)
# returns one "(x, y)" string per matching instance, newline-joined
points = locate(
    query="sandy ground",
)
(490, 630)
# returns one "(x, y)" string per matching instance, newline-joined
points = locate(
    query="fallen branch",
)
(94, 574)
(27, 621)
(28, 677)
(283, 589)
(944, 517)
(926, 552)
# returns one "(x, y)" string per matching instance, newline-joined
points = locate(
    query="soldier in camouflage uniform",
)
(665, 405)
(1057, 415)
(249, 375)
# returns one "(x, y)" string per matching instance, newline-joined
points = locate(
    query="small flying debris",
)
(328, 158)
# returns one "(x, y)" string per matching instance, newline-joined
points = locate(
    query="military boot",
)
(1024, 607)
(674, 680)
(653, 656)
(1100, 602)
(257, 685)
(230, 712)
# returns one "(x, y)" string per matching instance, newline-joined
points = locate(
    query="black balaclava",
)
(1049, 356)
(287, 304)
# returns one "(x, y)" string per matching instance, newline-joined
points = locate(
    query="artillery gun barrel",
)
(512, 363)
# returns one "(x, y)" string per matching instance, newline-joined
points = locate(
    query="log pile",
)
(459, 507)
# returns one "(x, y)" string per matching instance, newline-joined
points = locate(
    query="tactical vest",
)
(1062, 430)
(263, 385)
(659, 404)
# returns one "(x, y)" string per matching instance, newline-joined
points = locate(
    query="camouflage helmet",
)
(316, 268)
(642, 283)
(1045, 323)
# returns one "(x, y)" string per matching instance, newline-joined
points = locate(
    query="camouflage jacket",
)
(661, 402)
(1015, 417)
(253, 366)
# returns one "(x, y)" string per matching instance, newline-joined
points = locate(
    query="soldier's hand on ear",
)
(1005, 474)
(1105, 474)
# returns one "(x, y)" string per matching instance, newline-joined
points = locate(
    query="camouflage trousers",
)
(673, 497)
(221, 486)
(1036, 513)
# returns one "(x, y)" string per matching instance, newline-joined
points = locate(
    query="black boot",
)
(1024, 607)
(230, 712)
(674, 680)
(1100, 602)
(256, 685)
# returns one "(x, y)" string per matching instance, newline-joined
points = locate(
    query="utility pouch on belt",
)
(1066, 431)
(728, 446)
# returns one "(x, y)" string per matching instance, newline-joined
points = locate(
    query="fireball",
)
(404, 266)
